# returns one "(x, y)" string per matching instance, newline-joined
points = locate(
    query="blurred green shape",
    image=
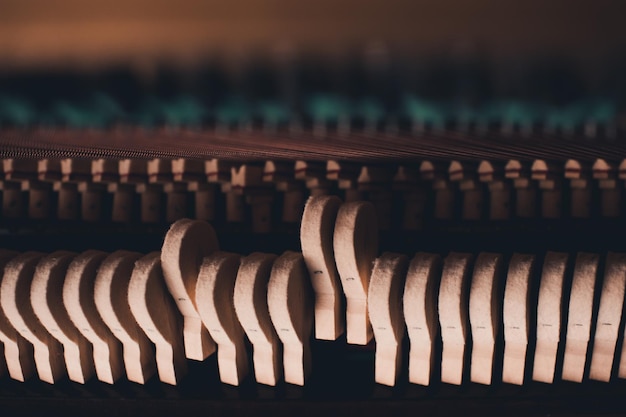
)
(465, 114)
(514, 113)
(369, 109)
(424, 112)
(327, 108)
(97, 112)
(273, 112)
(183, 111)
(233, 110)
(566, 117)
(601, 111)
(16, 111)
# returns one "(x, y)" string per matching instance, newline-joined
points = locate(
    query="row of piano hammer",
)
(487, 189)
(127, 313)
(466, 304)
(108, 313)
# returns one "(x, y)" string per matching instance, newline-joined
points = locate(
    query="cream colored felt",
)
(111, 295)
(580, 188)
(453, 308)
(188, 170)
(20, 169)
(385, 311)
(155, 312)
(133, 171)
(215, 301)
(46, 296)
(579, 316)
(304, 170)
(621, 170)
(420, 314)
(499, 190)
(355, 244)
(247, 176)
(485, 311)
(444, 193)
(185, 246)
(603, 170)
(17, 352)
(346, 171)
(609, 318)
(290, 302)
(278, 172)
(516, 312)
(218, 170)
(105, 170)
(3, 364)
(15, 300)
(551, 195)
(525, 190)
(464, 174)
(79, 301)
(159, 171)
(316, 239)
(49, 170)
(75, 170)
(549, 307)
(314, 176)
(250, 299)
